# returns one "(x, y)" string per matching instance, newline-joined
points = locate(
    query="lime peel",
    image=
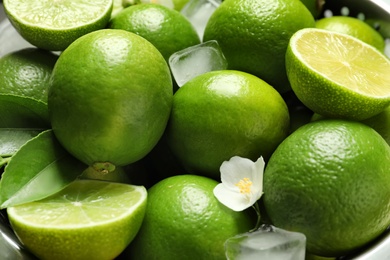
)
(337, 75)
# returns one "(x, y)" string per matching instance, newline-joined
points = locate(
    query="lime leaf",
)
(11, 139)
(38, 169)
(23, 112)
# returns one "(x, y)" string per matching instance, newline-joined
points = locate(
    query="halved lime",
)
(89, 219)
(337, 75)
(54, 24)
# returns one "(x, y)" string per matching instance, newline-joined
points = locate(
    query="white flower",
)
(242, 183)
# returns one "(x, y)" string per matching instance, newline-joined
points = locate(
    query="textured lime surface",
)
(165, 28)
(87, 220)
(336, 75)
(220, 114)
(53, 25)
(27, 73)
(254, 35)
(111, 105)
(330, 180)
(184, 220)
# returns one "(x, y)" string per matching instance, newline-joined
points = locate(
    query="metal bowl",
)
(374, 12)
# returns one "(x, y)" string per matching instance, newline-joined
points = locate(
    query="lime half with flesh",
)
(89, 219)
(54, 24)
(337, 75)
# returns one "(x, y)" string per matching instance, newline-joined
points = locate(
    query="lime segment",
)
(59, 14)
(54, 24)
(337, 75)
(78, 220)
(344, 61)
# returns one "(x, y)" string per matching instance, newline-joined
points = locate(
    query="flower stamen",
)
(244, 185)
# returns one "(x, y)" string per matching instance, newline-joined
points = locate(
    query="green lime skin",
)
(27, 72)
(110, 98)
(167, 29)
(254, 35)
(381, 123)
(183, 220)
(330, 180)
(333, 79)
(221, 114)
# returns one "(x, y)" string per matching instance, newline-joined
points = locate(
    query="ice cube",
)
(195, 60)
(198, 13)
(268, 242)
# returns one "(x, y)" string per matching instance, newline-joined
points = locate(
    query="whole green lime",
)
(110, 98)
(254, 34)
(167, 29)
(330, 180)
(221, 114)
(183, 220)
(26, 73)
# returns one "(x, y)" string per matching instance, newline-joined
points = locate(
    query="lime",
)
(381, 123)
(184, 220)
(116, 7)
(89, 219)
(330, 180)
(26, 73)
(179, 4)
(254, 35)
(110, 107)
(167, 29)
(314, 6)
(354, 27)
(117, 175)
(53, 25)
(220, 114)
(337, 75)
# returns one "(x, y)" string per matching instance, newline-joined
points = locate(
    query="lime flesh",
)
(54, 24)
(87, 220)
(337, 75)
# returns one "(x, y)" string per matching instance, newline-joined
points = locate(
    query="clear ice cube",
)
(268, 242)
(195, 60)
(198, 13)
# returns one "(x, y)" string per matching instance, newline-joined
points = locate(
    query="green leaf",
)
(11, 139)
(23, 112)
(38, 169)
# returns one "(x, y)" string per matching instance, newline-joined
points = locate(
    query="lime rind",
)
(346, 63)
(337, 75)
(82, 204)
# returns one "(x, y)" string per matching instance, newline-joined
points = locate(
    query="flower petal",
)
(258, 172)
(234, 170)
(233, 200)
